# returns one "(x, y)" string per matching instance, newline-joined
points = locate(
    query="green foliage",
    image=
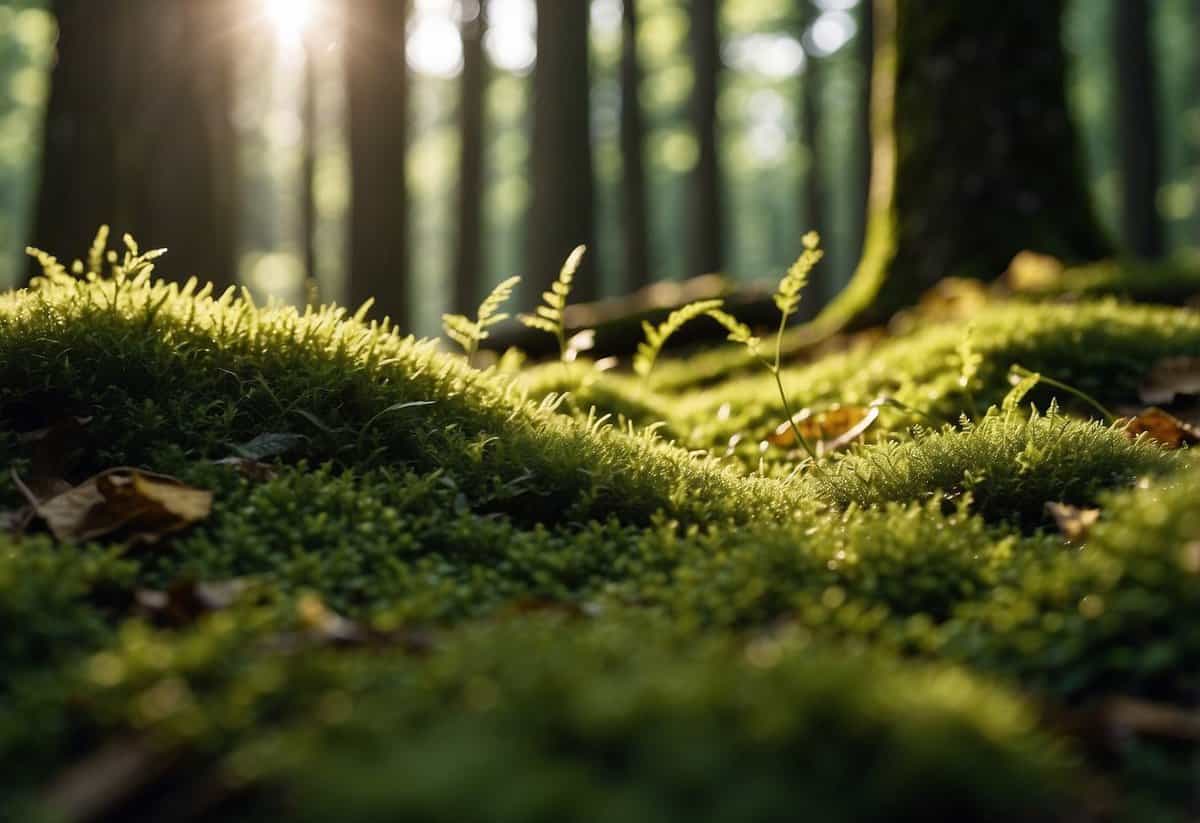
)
(469, 333)
(549, 612)
(549, 315)
(656, 336)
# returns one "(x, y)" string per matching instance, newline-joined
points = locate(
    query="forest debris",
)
(1111, 723)
(1169, 377)
(1072, 521)
(144, 505)
(830, 430)
(184, 601)
(269, 444)
(1163, 427)
(96, 786)
(1032, 271)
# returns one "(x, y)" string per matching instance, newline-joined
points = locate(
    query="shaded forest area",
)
(674, 139)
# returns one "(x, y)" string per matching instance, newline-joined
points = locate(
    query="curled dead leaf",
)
(829, 430)
(143, 506)
(1170, 377)
(1072, 521)
(1163, 427)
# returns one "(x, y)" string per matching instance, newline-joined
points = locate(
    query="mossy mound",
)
(455, 601)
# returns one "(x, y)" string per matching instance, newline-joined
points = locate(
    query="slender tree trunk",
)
(308, 163)
(1137, 129)
(974, 156)
(633, 175)
(561, 215)
(377, 110)
(813, 195)
(864, 48)
(139, 132)
(705, 242)
(468, 254)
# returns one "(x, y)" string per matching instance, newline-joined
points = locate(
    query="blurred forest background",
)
(675, 137)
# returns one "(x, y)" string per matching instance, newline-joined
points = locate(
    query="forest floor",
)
(262, 564)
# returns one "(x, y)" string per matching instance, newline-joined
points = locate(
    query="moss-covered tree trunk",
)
(813, 195)
(705, 235)
(561, 215)
(377, 111)
(139, 132)
(974, 156)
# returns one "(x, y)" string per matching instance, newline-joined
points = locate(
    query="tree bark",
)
(705, 242)
(1138, 146)
(561, 214)
(139, 132)
(633, 171)
(974, 157)
(468, 253)
(308, 164)
(377, 111)
(813, 195)
(864, 48)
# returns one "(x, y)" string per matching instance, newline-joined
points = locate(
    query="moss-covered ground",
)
(462, 596)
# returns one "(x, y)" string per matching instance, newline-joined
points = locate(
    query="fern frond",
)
(548, 317)
(787, 295)
(656, 337)
(739, 332)
(489, 313)
(468, 333)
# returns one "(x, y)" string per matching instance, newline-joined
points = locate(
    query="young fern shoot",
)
(469, 333)
(656, 336)
(549, 315)
(787, 300)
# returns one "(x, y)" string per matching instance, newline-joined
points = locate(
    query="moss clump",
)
(467, 602)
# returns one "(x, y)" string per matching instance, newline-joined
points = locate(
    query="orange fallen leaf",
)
(1072, 521)
(829, 430)
(1164, 427)
(1169, 377)
(142, 505)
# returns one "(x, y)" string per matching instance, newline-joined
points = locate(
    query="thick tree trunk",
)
(705, 240)
(864, 48)
(469, 272)
(1137, 129)
(634, 223)
(139, 132)
(561, 213)
(974, 156)
(377, 110)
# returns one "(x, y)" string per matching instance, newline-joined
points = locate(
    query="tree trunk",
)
(1137, 129)
(469, 274)
(308, 164)
(377, 111)
(705, 241)
(864, 48)
(974, 157)
(813, 195)
(139, 132)
(561, 213)
(633, 171)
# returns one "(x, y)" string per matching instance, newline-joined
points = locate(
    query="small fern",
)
(739, 332)
(469, 333)
(549, 315)
(656, 336)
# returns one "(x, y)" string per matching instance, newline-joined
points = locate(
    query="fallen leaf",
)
(1164, 427)
(1170, 377)
(1072, 521)
(52, 451)
(142, 505)
(271, 444)
(249, 469)
(828, 430)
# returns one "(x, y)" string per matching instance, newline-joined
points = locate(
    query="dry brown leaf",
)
(186, 600)
(1164, 427)
(1072, 521)
(1169, 377)
(142, 505)
(830, 430)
